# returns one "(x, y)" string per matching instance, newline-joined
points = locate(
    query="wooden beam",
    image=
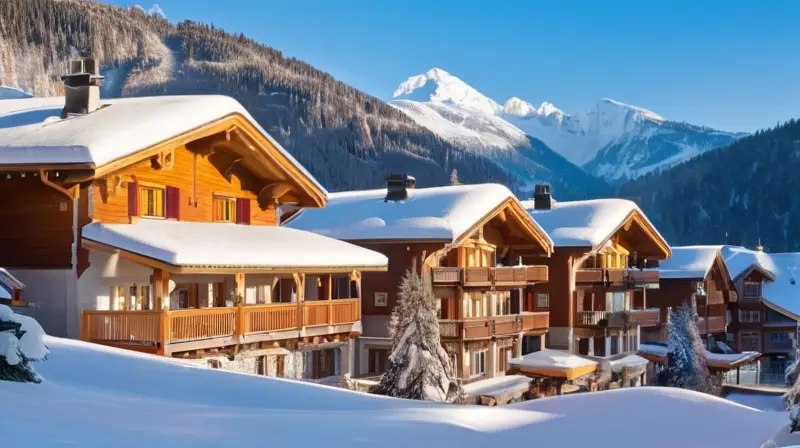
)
(274, 191)
(239, 287)
(229, 169)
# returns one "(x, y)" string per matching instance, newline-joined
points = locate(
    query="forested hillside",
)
(738, 194)
(346, 138)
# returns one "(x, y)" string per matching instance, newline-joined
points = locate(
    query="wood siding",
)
(111, 205)
(562, 308)
(36, 224)
(401, 258)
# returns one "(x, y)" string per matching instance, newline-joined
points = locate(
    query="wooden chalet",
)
(11, 290)
(767, 316)
(466, 241)
(152, 224)
(601, 249)
(699, 276)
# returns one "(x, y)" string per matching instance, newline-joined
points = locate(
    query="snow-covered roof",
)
(740, 260)
(554, 363)
(500, 385)
(784, 292)
(196, 244)
(689, 262)
(33, 134)
(8, 283)
(658, 353)
(585, 223)
(437, 213)
(618, 364)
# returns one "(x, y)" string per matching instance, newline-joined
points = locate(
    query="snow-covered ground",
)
(99, 396)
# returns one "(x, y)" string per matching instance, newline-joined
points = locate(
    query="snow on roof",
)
(438, 213)
(230, 245)
(8, 283)
(689, 262)
(583, 223)
(33, 132)
(554, 363)
(617, 365)
(739, 260)
(717, 360)
(85, 385)
(508, 384)
(784, 292)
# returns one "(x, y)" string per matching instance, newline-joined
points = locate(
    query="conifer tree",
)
(454, 177)
(21, 342)
(419, 367)
(687, 366)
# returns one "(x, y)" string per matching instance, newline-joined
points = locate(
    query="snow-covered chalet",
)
(601, 249)
(153, 224)
(467, 242)
(698, 276)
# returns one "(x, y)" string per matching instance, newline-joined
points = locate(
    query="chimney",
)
(397, 186)
(82, 87)
(541, 197)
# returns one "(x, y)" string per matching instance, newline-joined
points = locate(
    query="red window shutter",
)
(173, 203)
(242, 211)
(133, 199)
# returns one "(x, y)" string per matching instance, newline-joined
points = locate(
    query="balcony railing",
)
(782, 346)
(508, 276)
(645, 318)
(591, 318)
(486, 327)
(158, 328)
(711, 324)
(618, 319)
(621, 278)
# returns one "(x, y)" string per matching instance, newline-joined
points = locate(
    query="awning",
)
(502, 388)
(554, 363)
(657, 353)
(195, 246)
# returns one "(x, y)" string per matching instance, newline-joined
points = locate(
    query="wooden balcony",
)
(486, 327)
(158, 329)
(476, 277)
(645, 318)
(711, 324)
(616, 278)
(591, 318)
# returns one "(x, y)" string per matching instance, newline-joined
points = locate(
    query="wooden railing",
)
(645, 318)
(485, 327)
(446, 275)
(203, 323)
(638, 277)
(631, 278)
(267, 318)
(157, 328)
(711, 324)
(140, 327)
(486, 276)
(591, 317)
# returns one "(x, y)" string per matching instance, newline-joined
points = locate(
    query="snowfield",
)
(98, 396)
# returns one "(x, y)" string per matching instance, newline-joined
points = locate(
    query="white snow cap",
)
(583, 223)
(784, 292)
(230, 245)
(740, 259)
(521, 108)
(438, 86)
(689, 262)
(438, 213)
(30, 345)
(32, 132)
(613, 109)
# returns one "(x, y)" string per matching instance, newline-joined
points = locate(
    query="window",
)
(341, 287)
(224, 209)
(774, 316)
(478, 365)
(750, 341)
(377, 360)
(502, 303)
(381, 299)
(752, 290)
(151, 201)
(542, 300)
(747, 316)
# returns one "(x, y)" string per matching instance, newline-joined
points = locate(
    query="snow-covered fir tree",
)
(793, 369)
(419, 367)
(454, 177)
(21, 342)
(687, 366)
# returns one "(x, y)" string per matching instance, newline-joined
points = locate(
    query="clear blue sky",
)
(731, 64)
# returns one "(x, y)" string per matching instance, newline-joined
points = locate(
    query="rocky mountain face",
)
(612, 141)
(739, 194)
(347, 139)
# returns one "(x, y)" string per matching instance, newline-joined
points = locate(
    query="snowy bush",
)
(21, 342)
(419, 367)
(687, 366)
(793, 369)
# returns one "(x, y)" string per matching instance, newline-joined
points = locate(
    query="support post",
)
(300, 288)
(159, 284)
(329, 296)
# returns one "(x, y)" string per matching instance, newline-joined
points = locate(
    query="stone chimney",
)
(542, 199)
(397, 186)
(82, 87)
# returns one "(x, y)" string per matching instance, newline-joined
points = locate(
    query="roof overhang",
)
(781, 310)
(636, 218)
(754, 267)
(248, 250)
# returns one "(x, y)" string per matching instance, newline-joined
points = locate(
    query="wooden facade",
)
(224, 171)
(479, 287)
(711, 295)
(591, 291)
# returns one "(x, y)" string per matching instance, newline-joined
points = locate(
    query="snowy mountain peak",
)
(547, 109)
(609, 106)
(518, 107)
(438, 86)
